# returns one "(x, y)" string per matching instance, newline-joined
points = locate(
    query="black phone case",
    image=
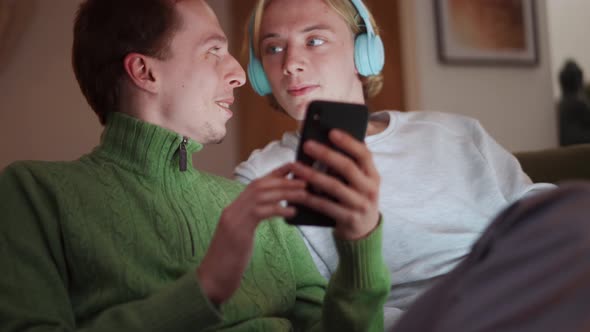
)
(321, 117)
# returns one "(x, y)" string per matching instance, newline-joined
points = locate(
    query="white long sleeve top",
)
(443, 180)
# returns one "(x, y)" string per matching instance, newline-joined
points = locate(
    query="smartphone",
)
(321, 117)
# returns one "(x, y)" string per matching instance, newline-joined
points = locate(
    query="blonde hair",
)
(372, 85)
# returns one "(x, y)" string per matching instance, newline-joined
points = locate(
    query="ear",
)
(140, 71)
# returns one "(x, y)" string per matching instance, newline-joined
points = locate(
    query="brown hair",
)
(372, 85)
(105, 31)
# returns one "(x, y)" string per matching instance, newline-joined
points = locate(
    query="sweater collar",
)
(144, 147)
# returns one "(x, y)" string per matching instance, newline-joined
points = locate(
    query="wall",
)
(569, 25)
(514, 104)
(222, 158)
(43, 114)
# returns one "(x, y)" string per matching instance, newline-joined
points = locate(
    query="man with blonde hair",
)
(444, 178)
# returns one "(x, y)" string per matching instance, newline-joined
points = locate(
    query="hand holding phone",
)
(321, 118)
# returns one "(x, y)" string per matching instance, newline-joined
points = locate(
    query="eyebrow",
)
(218, 38)
(306, 30)
(214, 38)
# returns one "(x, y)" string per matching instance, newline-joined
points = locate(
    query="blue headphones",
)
(369, 55)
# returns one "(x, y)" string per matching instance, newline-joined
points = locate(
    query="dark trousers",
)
(530, 271)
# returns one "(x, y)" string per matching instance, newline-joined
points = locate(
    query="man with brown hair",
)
(131, 237)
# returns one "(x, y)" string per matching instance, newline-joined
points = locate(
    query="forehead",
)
(281, 16)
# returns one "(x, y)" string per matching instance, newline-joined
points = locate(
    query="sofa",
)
(557, 164)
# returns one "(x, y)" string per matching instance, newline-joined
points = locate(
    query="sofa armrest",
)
(557, 164)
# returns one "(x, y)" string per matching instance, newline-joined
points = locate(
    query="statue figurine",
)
(574, 107)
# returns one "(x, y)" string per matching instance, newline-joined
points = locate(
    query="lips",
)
(225, 102)
(300, 90)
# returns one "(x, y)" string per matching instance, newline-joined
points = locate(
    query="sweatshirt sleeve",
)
(35, 280)
(512, 181)
(355, 294)
(248, 170)
(244, 173)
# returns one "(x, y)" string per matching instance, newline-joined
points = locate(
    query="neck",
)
(374, 127)
(141, 105)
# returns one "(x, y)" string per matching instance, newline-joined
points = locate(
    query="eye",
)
(273, 49)
(216, 50)
(315, 42)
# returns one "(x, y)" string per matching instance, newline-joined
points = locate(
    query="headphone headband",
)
(364, 14)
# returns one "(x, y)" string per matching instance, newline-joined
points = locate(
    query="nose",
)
(236, 76)
(293, 63)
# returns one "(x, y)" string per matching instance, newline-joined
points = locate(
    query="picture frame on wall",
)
(486, 32)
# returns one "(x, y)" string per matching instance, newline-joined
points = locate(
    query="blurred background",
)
(43, 115)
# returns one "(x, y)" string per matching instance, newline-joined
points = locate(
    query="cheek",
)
(273, 70)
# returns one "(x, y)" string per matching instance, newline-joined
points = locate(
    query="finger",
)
(268, 205)
(332, 186)
(356, 149)
(272, 191)
(340, 214)
(269, 211)
(339, 163)
(350, 224)
(272, 208)
(278, 195)
(282, 171)
(271, 183)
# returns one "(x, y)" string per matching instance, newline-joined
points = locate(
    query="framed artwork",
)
(487, 32)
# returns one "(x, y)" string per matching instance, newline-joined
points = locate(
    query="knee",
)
(565, 210)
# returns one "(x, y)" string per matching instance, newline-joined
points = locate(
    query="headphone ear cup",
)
(369, 54)
(258, 78)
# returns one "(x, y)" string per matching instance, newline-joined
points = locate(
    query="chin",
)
(297, 116)
(299, 112)
(218, 137)
(212, 136)
(218, 141)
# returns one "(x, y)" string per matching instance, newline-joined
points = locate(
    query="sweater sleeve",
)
(511, 180)
(34, 284)
(355, 294)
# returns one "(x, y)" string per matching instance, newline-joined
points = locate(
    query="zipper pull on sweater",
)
(182, 155)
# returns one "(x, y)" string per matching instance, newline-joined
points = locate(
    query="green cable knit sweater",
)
(110, 242)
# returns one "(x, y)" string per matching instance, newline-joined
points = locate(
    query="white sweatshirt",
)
(443, 180)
